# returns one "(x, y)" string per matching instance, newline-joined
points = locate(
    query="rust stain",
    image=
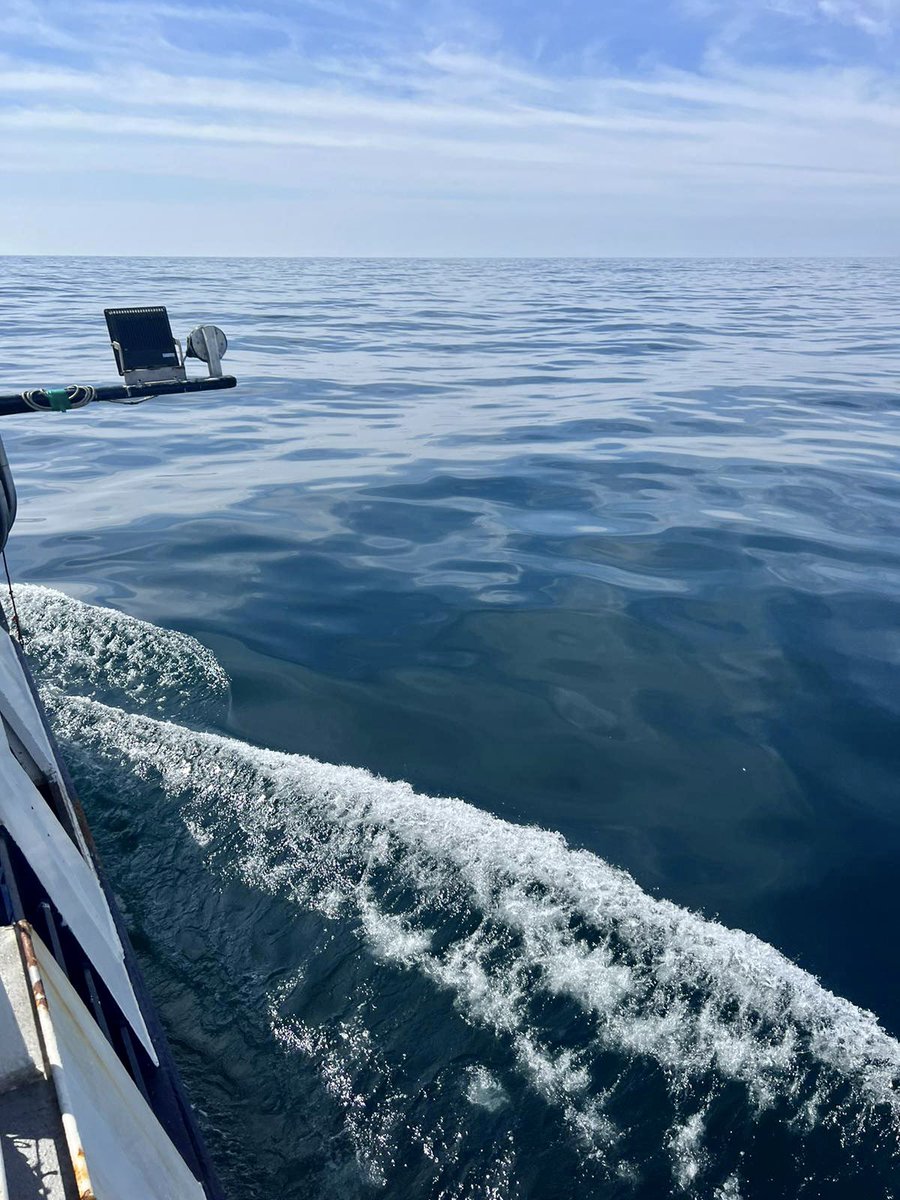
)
(27, 944)
(82, 1178)
(37, 986)
(76, 1151)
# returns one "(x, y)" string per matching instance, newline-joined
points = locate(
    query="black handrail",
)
(79, 395)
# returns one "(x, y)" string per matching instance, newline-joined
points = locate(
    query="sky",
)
(447, 127)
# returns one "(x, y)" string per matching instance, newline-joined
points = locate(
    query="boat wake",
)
(676, 1056)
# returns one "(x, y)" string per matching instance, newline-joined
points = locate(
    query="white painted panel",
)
(127, 1153)
(17, 704)
(71, 884)
(20, 711)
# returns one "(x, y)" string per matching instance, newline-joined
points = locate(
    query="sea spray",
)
(657, 980)
(84, 650)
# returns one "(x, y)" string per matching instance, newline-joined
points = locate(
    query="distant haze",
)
(397, 127)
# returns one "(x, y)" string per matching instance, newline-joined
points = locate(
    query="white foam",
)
(658, 982)
(90, 651)
(484, 1090)
(685, 1148)
(730, 1189)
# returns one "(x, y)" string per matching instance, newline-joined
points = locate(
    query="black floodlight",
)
(143, 344)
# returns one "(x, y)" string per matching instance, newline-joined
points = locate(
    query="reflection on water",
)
(608, 547)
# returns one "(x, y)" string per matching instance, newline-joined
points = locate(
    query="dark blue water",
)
(608, 548)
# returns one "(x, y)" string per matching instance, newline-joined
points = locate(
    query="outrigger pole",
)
(149, 359)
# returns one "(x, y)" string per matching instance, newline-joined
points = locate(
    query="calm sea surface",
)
(608, 550)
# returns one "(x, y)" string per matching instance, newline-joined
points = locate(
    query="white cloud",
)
(877, 17)
(454, 128)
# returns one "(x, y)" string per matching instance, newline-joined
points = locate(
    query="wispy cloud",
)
(875, 17)
(401, 104)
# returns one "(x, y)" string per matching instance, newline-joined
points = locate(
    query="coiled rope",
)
(77, 395)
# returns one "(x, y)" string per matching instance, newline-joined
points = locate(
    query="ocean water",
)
(488, 713)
